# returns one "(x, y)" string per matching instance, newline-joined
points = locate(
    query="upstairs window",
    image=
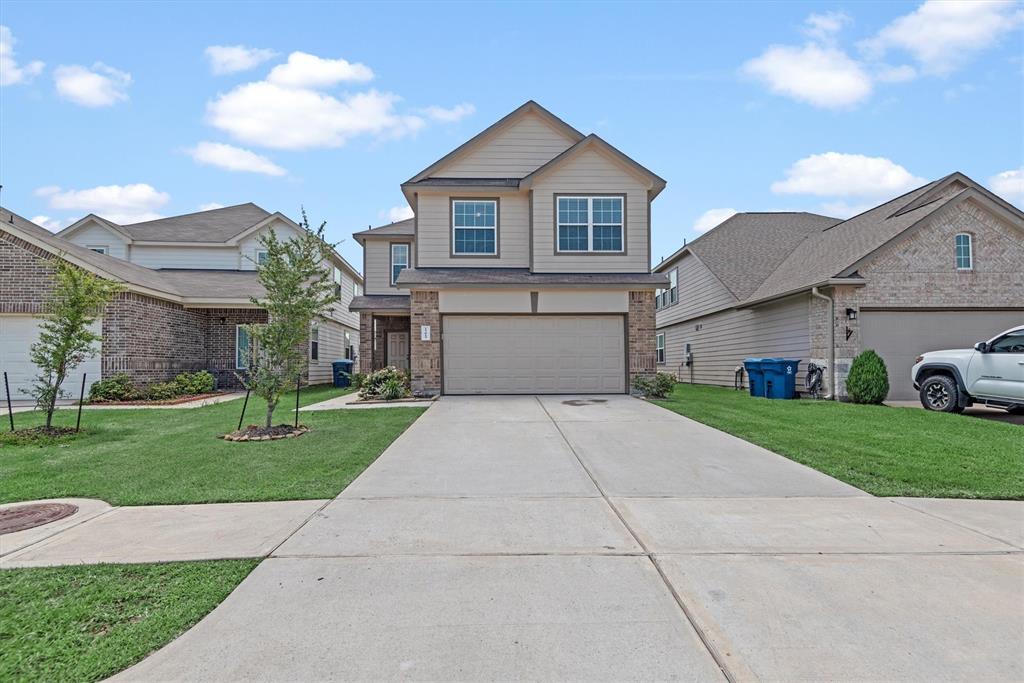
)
(399, 260)
(261, 257)
(97, 248)
(590, 224)
(357, 289)
(673, 286)
(964, 252)
(314, 342)
(474, 227)
(337, 282)
(659, 298)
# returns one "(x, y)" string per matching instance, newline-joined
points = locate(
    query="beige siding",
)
(434, 228)
(484, 301)
(511, 153)
(248, 247)
(378, 265)
(726, 338)
(590, 172)
(332, 348)
(218, 258)
(97, 235)
(699, 291)
(340, 310)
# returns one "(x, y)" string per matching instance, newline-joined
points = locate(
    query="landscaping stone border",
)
(234, 436)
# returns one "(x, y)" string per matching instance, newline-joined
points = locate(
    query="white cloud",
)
(824, 27)
(456, 113)
(944, 34)
(210, 206)
(711, 218)
(10, 72)
(118, 203)
(234, 159)
(841, 209)
(1009, 184)
(833, 174)
(51, 224)
(884, 73)
(273, 116)
(98, 86)
(820, 75)
(229, 59)
(397, 213)
(309, 71)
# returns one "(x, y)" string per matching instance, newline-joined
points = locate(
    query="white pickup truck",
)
(991, 373)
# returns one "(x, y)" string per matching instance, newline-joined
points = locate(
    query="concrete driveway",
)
(603, 538)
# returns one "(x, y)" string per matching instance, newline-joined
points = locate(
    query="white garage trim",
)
(541, 361)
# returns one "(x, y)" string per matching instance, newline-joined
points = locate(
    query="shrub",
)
(387, 383)
(656, 386)
(357, 380)
(161, 391)
(868, 381)
(116, 388)
(201, 382)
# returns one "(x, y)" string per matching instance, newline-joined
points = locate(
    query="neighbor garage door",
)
(17, 334)
(534, 354)
(900, 336)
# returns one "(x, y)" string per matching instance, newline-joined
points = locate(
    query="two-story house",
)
(939, 267)
(525, 269)
(187, 283)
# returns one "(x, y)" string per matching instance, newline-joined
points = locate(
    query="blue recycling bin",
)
(755, 375)
(780, 377)
(342, 372)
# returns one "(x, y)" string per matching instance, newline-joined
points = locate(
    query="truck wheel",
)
(940, 393)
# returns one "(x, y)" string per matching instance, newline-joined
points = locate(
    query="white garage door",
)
(534, 354)
(900, 336)
(17, 334)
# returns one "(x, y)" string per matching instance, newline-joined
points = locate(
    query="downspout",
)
(831, 341)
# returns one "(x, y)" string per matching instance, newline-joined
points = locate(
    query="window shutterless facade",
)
(241, 348)
(590, 224)
(964, 252)
(474, 227)
(314, 343)
(261, 257)
(399, 260)
(98, 248)
(337, 282)
(673, 285)
(660, 347)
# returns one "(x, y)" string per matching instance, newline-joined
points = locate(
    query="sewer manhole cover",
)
(21, 517)
(584, 401)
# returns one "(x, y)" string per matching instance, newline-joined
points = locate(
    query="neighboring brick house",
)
(526, 268)
(939, 267)
(168, 318)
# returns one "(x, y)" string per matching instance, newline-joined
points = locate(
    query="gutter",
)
(831, 341)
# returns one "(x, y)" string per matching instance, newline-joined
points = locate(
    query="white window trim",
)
(590, 225)
(258, 253)
(356, 289)
(314, 338)
(970, 251)
(393, 263)
(673, 290)
(99, 248)
(492, 228)
(659, 348)
(238, 331)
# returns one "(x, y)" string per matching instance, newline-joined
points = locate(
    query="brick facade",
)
(25, 276)
(373, 331)
(425, 355)
(640, 335)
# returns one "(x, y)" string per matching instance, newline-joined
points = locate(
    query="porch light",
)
(851, 313)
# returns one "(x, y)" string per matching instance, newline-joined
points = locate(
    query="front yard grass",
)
(84, 623)
(882, 450)
(173, 456)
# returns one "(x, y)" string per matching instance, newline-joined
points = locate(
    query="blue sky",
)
(123, 109)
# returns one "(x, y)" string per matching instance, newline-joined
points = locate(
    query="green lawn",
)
(85, 623)
(149, 457)
(884, 451)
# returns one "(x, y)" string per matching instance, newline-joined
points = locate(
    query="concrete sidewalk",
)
(558, 538)
(155, 533)
(24, 407)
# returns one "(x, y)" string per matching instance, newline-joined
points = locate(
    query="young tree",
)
(65, 340)
(299, 289)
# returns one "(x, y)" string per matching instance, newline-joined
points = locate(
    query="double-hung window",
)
(660, 347)
(399, 260)
(590, 224)
(474, 227)
(261, 257)
(357, 289)
(241, 348)
(314, 342)
(964, 252)
(337, 282)
(673, 286)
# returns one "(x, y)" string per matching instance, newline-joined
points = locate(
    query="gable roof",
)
(530, 107)
(215, 225)
(402, 228)
(596, 142)
(743, 250)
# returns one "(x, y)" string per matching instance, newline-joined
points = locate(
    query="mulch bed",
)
(21, 517)
(258, 433)
(161, 402)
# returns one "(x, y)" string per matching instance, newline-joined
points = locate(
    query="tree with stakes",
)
(65, 338)
(299, 289)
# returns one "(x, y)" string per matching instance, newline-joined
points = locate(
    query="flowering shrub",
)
(385, 384)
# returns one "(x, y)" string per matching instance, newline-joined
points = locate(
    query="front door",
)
(398, 350)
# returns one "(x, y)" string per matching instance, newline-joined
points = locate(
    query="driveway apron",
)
(604, 538)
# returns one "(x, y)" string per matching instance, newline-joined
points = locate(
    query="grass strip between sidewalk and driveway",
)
(173, 456)
(85, 623)
(883, 450)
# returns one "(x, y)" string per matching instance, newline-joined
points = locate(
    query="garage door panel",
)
(900, 336)
(17, 334)
(533, 354)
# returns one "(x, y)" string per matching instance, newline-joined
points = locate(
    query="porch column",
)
(365, 364)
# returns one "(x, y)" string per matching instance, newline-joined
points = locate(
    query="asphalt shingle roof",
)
(216, 225)
(403, 228)
(380, 302)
